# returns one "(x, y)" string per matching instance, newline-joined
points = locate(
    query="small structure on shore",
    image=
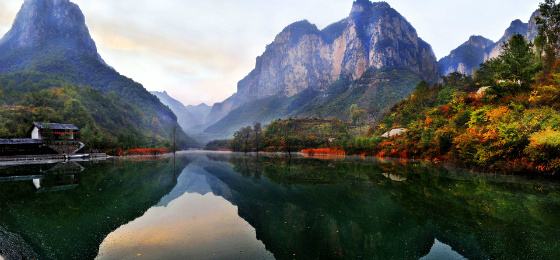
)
(394, 133)
(55, 132)
(46, 138)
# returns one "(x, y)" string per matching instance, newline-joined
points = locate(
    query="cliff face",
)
(53, 25)
(467, 58)
(302, 57)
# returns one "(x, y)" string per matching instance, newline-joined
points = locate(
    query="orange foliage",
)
(428, 121)
(147, 151)
(496, 114)
(492, 134)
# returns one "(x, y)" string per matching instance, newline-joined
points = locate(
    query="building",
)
(46, 138)
(55, 132)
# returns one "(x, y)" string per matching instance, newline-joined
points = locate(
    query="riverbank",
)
(49, 159)
(521, 168)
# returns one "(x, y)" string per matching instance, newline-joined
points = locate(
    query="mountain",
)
(50, 37)
(303, 63)
(467, 58)
(190, 118)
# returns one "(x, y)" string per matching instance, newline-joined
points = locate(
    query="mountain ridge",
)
(466, 58)
(373, 37)
(51, 37)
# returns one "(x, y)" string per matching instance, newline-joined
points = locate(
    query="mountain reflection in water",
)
(188, 223)
(223, 206)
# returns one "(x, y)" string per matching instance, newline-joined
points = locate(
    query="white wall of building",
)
(35, 134)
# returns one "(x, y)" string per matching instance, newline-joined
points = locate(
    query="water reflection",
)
(188, 223)
(221, 206)
(442, 251)
(72, 223)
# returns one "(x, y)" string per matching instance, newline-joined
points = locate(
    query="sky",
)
(197, 51)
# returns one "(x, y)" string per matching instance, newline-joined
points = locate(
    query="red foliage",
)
(445, 109)
(323, 151)
(147, 151)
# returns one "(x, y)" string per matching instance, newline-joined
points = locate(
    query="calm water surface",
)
(224, 206)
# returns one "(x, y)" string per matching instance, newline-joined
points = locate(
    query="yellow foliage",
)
(546, 138)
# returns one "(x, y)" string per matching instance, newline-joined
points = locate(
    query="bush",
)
(544, 145)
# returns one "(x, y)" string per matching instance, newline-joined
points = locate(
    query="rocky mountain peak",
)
(360, 6)
(293, 32)
(365, 7)
(467, 57)
(479, 41)
(48, 23)
(516, 27)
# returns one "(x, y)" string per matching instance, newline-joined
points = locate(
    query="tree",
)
(518, 61)
(549, 32)
(257, 129)
(357, 114)
(487, 74)
(245, 138)
(514, 68)
(458, 80)
(241, 140)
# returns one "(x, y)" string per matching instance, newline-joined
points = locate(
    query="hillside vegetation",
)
(375, 92)
(106, 121)
(506, 117)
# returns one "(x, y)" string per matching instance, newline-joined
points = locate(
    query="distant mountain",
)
(51, 37)
(200, 111)
(467, 58)
(303, 63)
(190, 118)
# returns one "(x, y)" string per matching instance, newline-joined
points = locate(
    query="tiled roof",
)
(20, 141)
(55, 126)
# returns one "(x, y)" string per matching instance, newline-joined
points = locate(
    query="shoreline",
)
(445, 163)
